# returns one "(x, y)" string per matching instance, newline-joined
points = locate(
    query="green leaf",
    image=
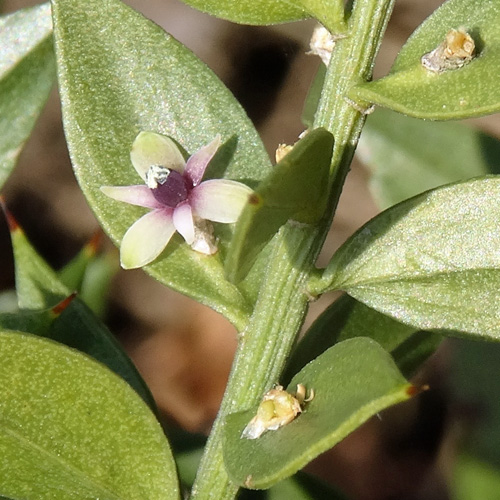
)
(347, 392)
(91, 273)
(73, 273)
(471, 385)
(347, 318)
(37, 285)
(27, 73)
(431, 262)
(78, 327)
(330, 13)
(302, 486)
(313, 96)
(259, 12)
(296, 189)
(70, 428)
(414, 350)
(472, 90)
(39, 289)
(474, 479)
(97, 281)
(264, 12)
(35, 322)
(408, 156)
(139, 78)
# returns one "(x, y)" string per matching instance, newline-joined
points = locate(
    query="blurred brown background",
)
(184, 350)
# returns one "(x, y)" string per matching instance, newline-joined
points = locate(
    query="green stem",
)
(266, 342)
(264, 346)
(352, 63)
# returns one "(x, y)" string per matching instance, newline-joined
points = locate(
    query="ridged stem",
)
(266, 342)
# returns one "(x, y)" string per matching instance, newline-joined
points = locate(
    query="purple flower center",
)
(168, 186)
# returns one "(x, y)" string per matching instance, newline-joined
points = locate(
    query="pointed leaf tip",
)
(296, 189)
(11, 221)
(413, 390)
(61, 306)
(94, 243)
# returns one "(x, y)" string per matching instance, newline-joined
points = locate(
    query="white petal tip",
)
(146, 239)
(150, 148)
(132, 261)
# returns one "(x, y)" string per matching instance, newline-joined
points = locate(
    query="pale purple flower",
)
(178, 200)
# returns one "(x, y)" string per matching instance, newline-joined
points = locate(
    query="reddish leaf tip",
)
(413, 390)
(254, 199)
(94, 243)
(59, 308)
(11, 221)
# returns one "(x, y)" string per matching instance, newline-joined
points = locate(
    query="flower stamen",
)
(157, 174)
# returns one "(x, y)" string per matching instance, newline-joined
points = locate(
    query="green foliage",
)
(71, 429)
(313, 97)
(74, 324)
(458, 93)
(90, 273)
(303, 487)
(37, 322)
(171, 92)
(473, 384)
(328, 12)
(37, 285)
(408, 156)
(27, 73)
(474, 480)
(251, 11)
(300, 486)
(401, 264)
(296, 190)
(347, 318)
(346, 394)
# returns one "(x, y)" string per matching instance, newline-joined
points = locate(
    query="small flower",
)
(178, 200)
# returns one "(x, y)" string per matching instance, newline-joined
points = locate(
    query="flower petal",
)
(219, 200)
(196, 164)
(150, 148)
(183, 222)
(146, 238)
(135, 195)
